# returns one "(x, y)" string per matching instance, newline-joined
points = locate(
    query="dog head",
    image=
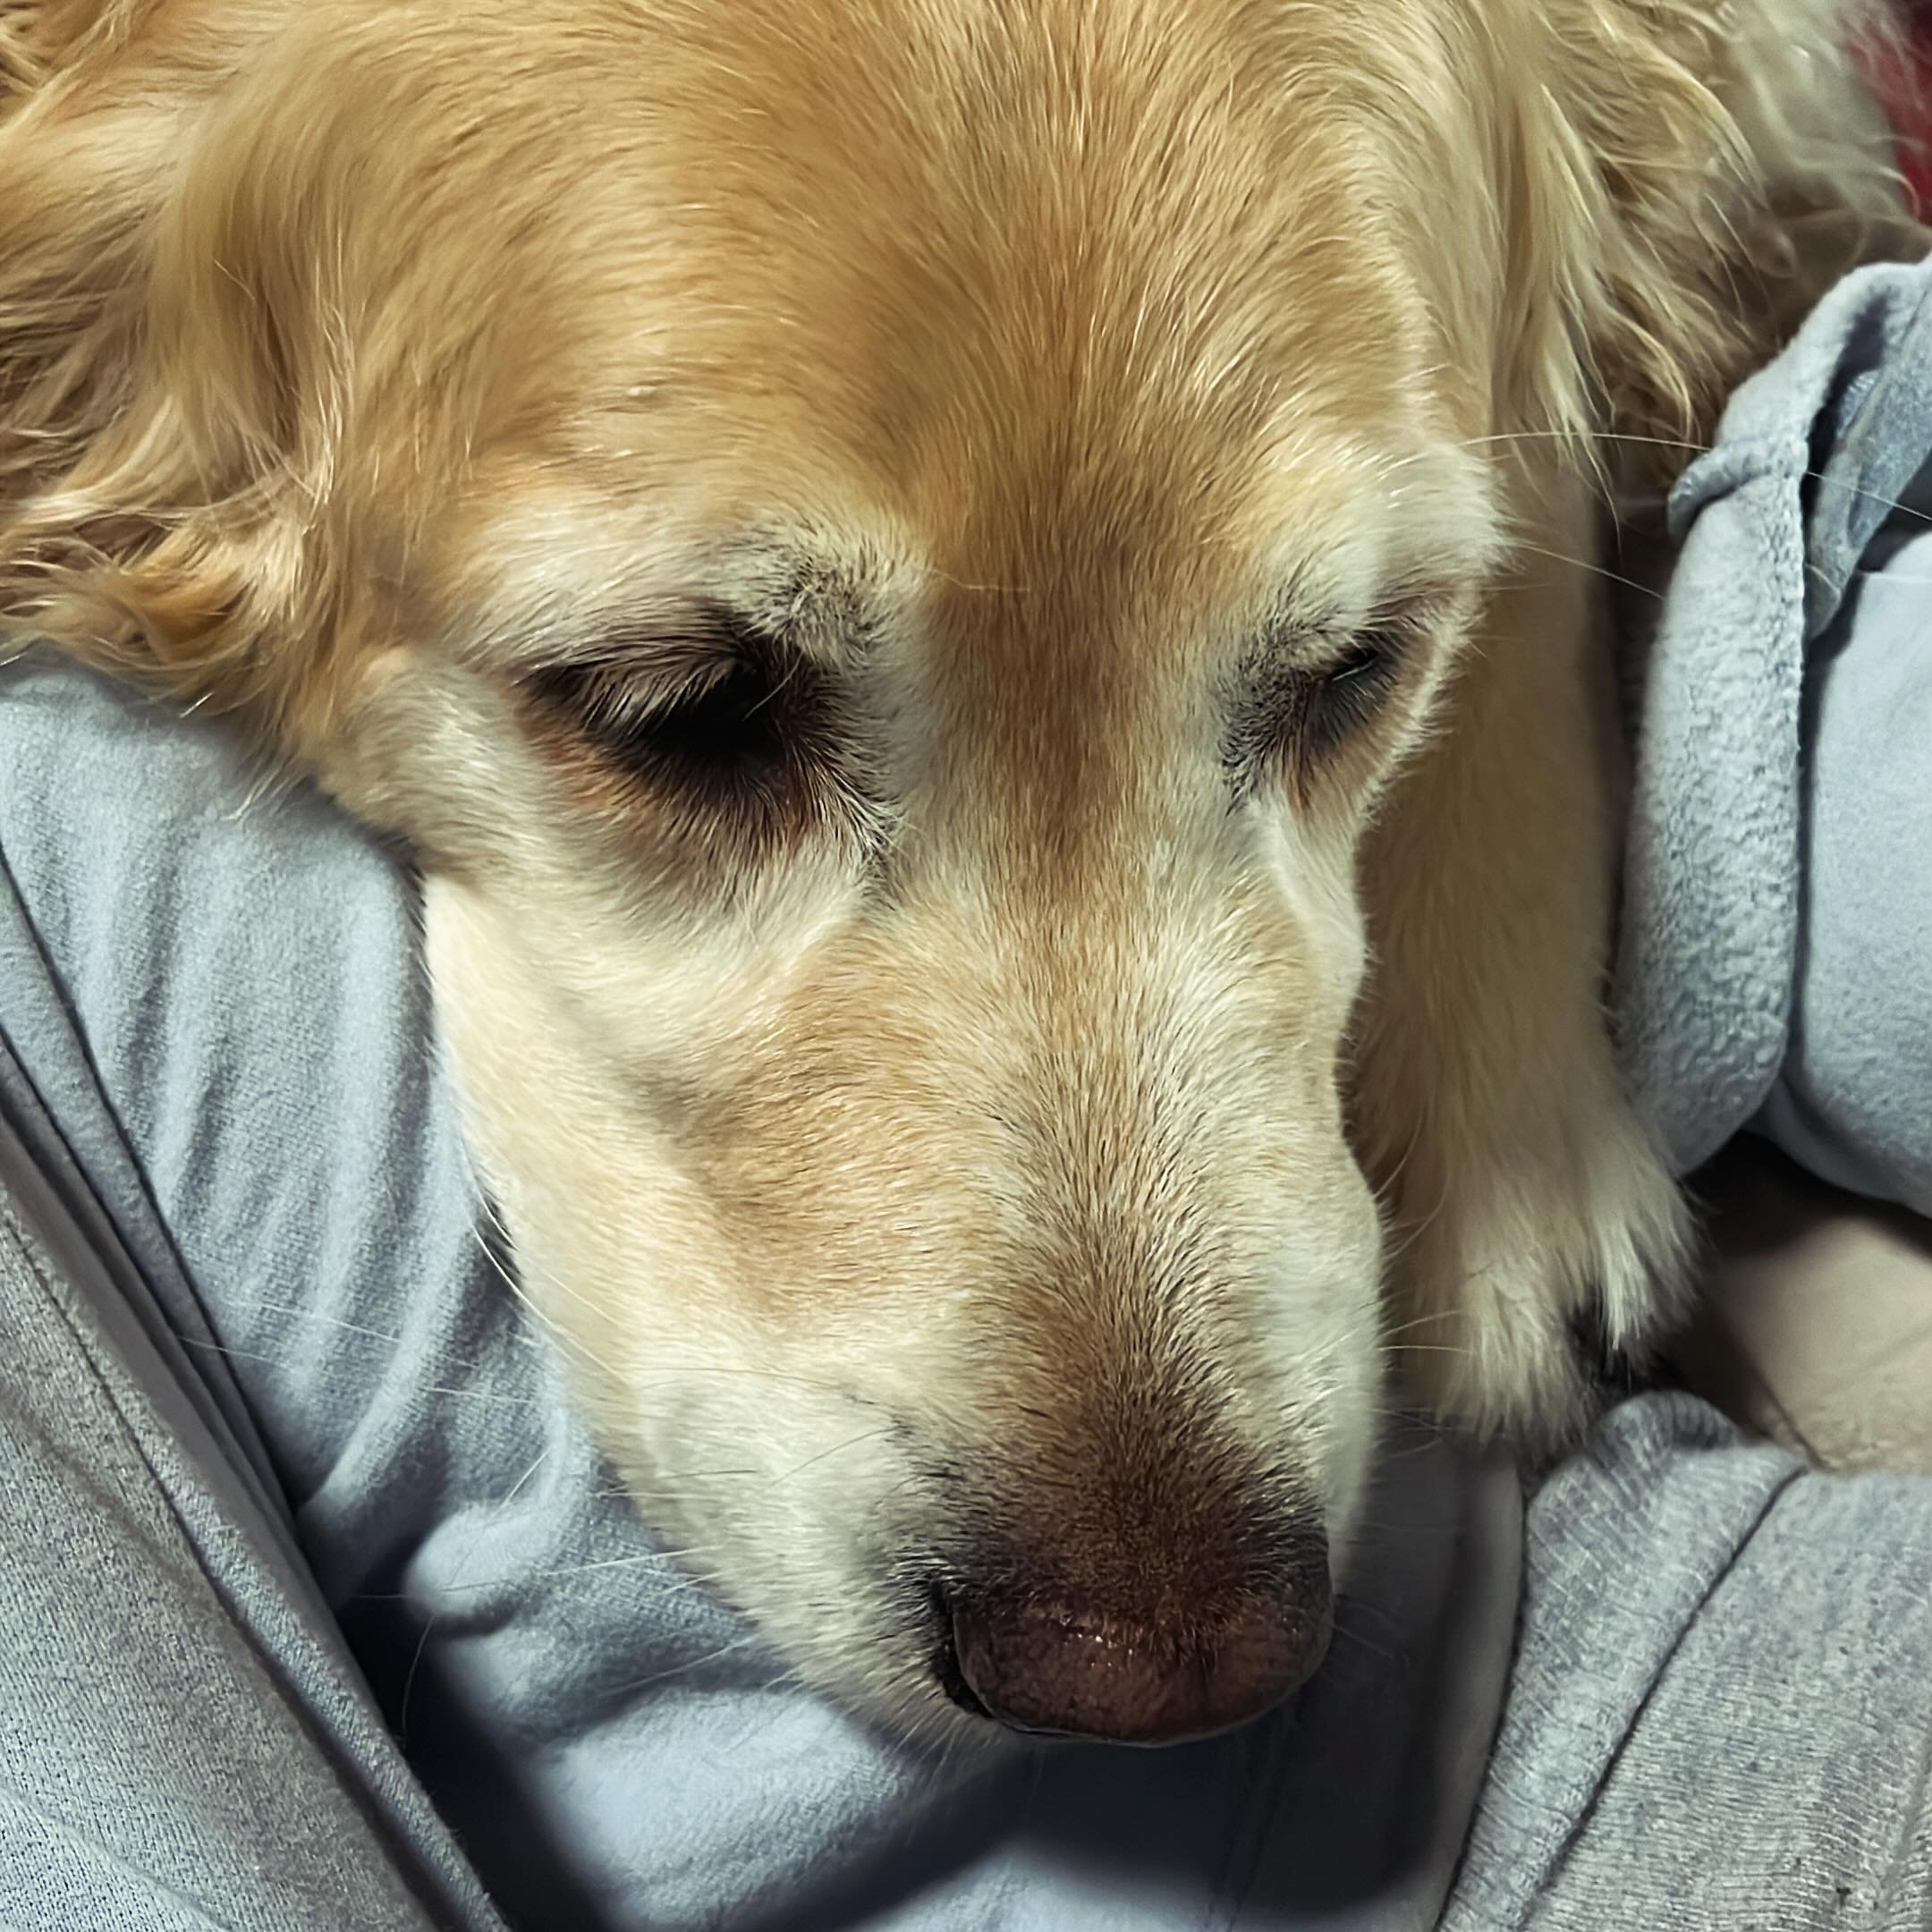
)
(883, 557)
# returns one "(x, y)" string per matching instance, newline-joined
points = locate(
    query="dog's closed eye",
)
(1345, 694)
(721, 727)
(1296, 712)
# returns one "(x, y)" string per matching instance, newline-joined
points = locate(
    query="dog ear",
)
(158, 511)
(1681, 179)
(40, 38)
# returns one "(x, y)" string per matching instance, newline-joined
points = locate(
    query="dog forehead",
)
(1092, 433)
(978, 239)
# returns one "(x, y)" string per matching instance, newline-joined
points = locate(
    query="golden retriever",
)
(980, 616)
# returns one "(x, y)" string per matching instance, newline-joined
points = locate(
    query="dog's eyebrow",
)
(827, 605)
(821, 606)
(1309, 627)
(1309, 642)
(733, 604)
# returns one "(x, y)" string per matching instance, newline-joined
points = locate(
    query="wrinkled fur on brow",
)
(346, 348)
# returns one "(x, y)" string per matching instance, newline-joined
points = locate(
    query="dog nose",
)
(1072, 1670)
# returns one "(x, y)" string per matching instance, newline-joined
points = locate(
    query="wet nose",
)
(1043, 1664)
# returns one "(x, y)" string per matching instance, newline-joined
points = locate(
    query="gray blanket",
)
(1776, 962)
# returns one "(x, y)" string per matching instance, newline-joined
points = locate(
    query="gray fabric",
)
(1853, 1100)
(184, 1743)
(1721, 1711)
(1778, 887)
(1720, 1714)
(217, 1005)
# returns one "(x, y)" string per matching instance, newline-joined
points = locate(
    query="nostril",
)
(946, 1664)
(1043, 1665)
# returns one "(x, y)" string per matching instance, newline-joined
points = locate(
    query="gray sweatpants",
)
(185, 1742)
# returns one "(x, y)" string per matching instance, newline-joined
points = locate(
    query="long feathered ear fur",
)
(1631, 252)
(1680, 178)
(151, 519)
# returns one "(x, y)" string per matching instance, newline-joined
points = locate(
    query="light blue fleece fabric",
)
(1776, 966)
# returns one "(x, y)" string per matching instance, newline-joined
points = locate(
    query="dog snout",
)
(1070, 1666)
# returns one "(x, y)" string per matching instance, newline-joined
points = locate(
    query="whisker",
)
(429, 1622)
(486, 1396)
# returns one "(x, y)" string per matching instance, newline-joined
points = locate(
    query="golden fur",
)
(1018, 1103)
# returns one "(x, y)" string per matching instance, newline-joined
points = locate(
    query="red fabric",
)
(1902, 79)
